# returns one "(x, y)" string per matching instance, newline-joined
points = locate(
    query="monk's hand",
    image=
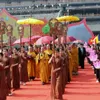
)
(20, 66)
(58, 69)
(1, 64)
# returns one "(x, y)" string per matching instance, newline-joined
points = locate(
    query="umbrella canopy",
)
(31, 21)
(23, 40)
(34, 38)
(68, 39)
(44, 40)
(68, 18)
(78, 41)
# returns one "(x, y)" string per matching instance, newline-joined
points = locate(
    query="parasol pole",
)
(53, 43)
(2, 42)
(65, 29)
(20, 41)
(30, 33)
(10, 43)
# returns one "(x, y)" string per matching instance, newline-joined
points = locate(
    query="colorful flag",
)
(97, 39)
(46, 29)
(92, 40)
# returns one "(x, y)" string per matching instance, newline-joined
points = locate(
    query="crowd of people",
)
(93, 56)
(51, 64)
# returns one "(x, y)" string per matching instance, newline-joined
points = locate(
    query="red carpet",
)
(82, 87)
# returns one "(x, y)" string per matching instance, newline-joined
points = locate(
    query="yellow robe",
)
(74, 53)
(70, 64)
(31, 65)
(49, 52)
(43, 66)
(37, 67)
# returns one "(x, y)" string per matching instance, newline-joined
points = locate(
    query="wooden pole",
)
(20, 41)
(65, 32)
(10, 44)
(30, 34)
(2, 42)
(53, 43)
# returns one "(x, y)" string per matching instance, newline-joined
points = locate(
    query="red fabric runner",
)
(82, 87)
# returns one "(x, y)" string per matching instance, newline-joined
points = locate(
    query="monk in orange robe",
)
(31, 63)
(74, 52)
(42, 61)
(70, 64)
(49, 53)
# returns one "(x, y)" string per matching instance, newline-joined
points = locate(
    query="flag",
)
(46, 29)
(97, 39)
(92, 40)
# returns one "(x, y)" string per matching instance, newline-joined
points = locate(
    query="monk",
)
(74, 52)
(37, 63)
(3, 85)
(70, 64)
(15, 60)
(56, 76)
(23, 67)
(64, 68)
(6, 64)
(48, 51)
(42, 61)
(31, 63)
(36, 49)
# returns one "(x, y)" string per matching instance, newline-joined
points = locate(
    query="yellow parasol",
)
(30, 21)
(67, 18)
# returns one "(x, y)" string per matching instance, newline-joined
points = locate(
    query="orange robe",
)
(74, 53)
(49, 53)
(37, 67)
(42, 61)
(31, 65)
(70, 60)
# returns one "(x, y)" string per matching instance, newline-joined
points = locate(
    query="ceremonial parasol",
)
(68, 39)
(67, 19)
(44, 40)
(78, 41)
(35, 38)
(24, 40)
(30, 21)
